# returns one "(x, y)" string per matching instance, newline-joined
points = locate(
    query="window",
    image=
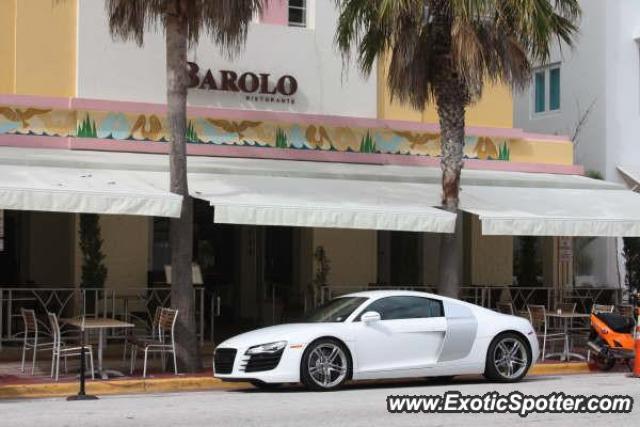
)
(402, 307)
(546, 89)
(336, 310)
(540, 92)
(297, 13)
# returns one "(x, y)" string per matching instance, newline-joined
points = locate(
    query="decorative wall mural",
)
(220, 131)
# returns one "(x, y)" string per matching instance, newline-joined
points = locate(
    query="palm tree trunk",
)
(181, 229)
(451, 99)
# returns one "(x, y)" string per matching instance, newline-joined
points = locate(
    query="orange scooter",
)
(612, 338)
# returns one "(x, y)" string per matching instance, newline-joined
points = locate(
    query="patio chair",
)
(567, 307)
(60, 349)
(538, 318)
(164, 343)
(131, 338)
(602, 308)
(505, 308)
(31, 340)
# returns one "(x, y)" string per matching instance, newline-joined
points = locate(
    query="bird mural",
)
(22, 116)
(234, 127)
(152, 132)
(317, 136)
(486, 149)
(418, 138)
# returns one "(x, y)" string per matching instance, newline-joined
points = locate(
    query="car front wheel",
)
(508, 358)
(325, 365)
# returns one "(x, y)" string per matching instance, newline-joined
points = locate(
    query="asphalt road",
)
(357, 405)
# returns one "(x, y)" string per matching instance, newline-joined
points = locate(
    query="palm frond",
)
(478, 40)
(225, 21)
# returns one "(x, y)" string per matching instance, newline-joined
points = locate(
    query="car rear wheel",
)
(508, 358)
(325, 365)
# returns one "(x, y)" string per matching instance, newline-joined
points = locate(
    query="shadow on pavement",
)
(379, 384)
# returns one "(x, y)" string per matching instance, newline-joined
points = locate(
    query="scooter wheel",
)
(605, 363)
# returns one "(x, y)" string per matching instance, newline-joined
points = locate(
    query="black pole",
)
(81, 393)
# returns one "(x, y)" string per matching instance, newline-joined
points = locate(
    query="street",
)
(356, 405)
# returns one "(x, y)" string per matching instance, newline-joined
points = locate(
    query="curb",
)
(193, 383)
(560, 368)
(102, 388)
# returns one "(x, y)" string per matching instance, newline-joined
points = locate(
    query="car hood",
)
(293, 333)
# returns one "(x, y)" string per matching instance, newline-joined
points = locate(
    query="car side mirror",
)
(370, 316)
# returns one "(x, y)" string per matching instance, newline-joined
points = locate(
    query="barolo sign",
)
(255, 86)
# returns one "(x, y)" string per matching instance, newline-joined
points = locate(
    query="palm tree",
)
(183, 22)
(443, 51)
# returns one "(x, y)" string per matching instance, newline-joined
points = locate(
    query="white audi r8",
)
(382, 334)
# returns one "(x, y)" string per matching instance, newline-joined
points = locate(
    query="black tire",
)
(493, 372)
(310, 356)
(265, 386)
(604, 363)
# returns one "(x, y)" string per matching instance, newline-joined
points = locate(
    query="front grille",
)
(263, 362)
(223, 359)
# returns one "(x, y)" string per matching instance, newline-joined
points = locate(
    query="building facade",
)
(590, 93)
(286, 107)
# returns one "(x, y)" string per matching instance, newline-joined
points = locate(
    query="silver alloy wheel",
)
(327, 365)
(510, 358)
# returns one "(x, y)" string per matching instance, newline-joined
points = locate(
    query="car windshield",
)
(336, 310)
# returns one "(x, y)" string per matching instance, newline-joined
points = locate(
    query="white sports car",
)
(382, 334)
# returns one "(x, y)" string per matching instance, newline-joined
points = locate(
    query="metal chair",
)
(566, 307)
(602, 308)
(164, 344)
(505, 308)
(538, 318)
(31, 338)
(60, 349)
(130, 338)
(625, 310)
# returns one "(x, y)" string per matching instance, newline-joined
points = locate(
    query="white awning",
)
(603, 210)
(316, 194)
(31, 181)
(318, 202)
(632, 175)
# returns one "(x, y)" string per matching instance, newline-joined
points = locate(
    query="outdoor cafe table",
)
(100, 325)
(566, 318)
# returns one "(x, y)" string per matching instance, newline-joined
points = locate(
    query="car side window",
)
(406, 307)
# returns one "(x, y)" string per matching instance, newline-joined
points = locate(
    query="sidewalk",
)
(14, 387)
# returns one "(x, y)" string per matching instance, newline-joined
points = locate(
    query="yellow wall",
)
(38, 47)
(549, 152)
(7, 45)
(494, 109)
(491, 257)
(126, 249)
(352, 254)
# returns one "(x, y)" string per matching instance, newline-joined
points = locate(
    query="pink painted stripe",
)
(34, 101)
(275, 12)
(115, 145)
(212, 150)
(278, 116)
(34, 141)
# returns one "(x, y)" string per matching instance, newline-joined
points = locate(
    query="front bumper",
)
(287, 369)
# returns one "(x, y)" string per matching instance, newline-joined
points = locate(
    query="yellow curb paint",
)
(150, 385)
(559, 368)
(178, 384)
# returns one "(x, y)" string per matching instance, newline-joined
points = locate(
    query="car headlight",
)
(272, 347)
